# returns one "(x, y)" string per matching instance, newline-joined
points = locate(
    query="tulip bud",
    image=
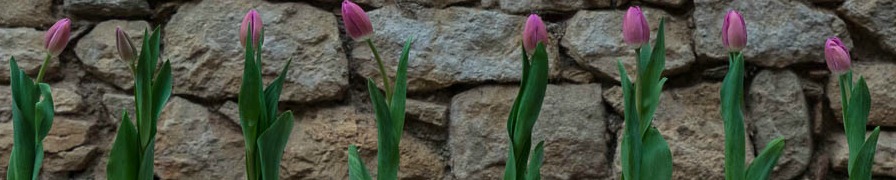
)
(836, 55)
(635, 31)
(357, 24)
(254, 19)
(126, 48)
(57, 36)
(734, 32)
(534, 33)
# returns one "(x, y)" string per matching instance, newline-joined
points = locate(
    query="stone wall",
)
(463, 74)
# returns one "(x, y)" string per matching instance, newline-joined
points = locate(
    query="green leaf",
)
(857, 116)
(44, 114)
(534, 170)
(649, 83)
(272, 93)
(512, 118)
(146, 162)
(530, 106)
(763, 165)
(861, 170)
(24, 94)
(510, 167)
(161, 91)
(251, 108)
(400, 90)
(125, 151)
(271, 144)
(656, 158)
(387, 141)
(732, 116)
(631, 144)
(356, 168)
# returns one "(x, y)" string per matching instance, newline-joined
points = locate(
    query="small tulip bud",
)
(357, 24)
(635, 31)
(535, 32)
(57, 36)
(734, 32)
(836, 55)
(254, 19)
(126, 48)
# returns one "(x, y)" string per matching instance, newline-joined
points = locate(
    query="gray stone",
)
(27, 46)
(452, 46)
(231, 110)
(194, 143)
(779, 32)
(876, 17)
(108, 8)
(67, 134)
(207, 59)
(36, 13)
(98, 52)
(881, 82)
(66, 100)
(572, 125)
(776, 108)
(115, 104)
(5, 146)
(5, 104)
(431, 113)
(318, 146)
(76, 159)
(883, 158)
(528, 6)
(669, 3)
(594, 40)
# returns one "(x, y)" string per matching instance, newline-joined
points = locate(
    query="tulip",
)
(734, 32)
(635, 31)
(534, 33)
(357, 24)
(254, 19)
(836, 55)
(125, 47)
(57, 37)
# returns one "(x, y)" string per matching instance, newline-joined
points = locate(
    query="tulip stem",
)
(43, 67)
(379, 61)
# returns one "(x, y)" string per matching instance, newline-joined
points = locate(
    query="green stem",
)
(379, 62)
(43, 68)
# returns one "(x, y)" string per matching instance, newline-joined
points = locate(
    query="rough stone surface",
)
(116, 103)
(231, 110)
(528, 6)
(876, 17)
(37, 13)
(194, 143)
(776, 107)
(108, 8)
(318, 144)
(27, 46)
(431, 113)
(97, 50)
(5, 145)
(66, 100)
(880, 78)
(670, 3)
(689, 120)
(67, 134)
(75, 159)
(202, 43)
(884, 158)
(571, 123)
(595, 41)
(779, 33)
(5, 104)
(452, 46)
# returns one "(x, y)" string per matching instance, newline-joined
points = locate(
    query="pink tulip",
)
(57, 36)
(534, 32)
(635, 31)
(254, 19)
(734, 32)
(357, 24)
(836, 55)
(125, 47)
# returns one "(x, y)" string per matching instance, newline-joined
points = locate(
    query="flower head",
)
(734, 32)
(635, 31)
(836, 55)
(126, 48)
(254, 19)
(534, 32)
(357, 24)
(57, 36)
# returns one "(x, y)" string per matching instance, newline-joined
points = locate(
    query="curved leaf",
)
(656, 160)
(861, 170)
(356, 168)
(125, 151)
(534, 170)
(271, 144)
(763, 165)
